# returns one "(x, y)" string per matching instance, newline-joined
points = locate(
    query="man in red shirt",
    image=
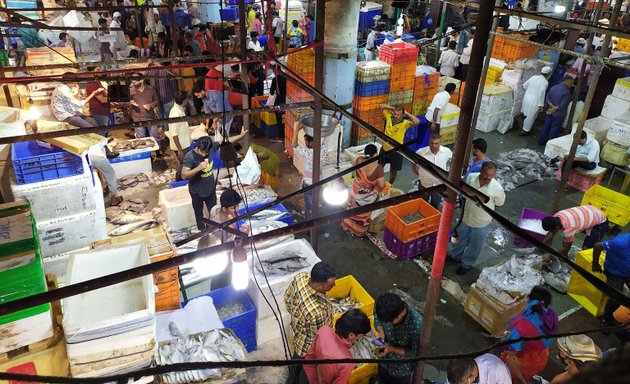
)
(99, 104)
(336, 344)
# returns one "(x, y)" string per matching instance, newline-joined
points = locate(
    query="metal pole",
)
(285, 43)
(464, 130)
(173, 27)
(440, 33)
(317, 116)
(243, 48)
(580, 83)
(587, 105)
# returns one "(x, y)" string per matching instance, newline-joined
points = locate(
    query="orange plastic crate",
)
(368, 102)
(302, 61)
(167, 297)
(403, 77)
(427, 81)
(288, 139)
(297, 93)
(373, 117)
(407, 232)
(462, 88)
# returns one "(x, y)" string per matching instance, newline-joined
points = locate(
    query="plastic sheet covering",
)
(513, 279)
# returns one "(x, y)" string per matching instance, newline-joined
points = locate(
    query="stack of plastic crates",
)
(371, 87)
(302, 62)
(411, 228)
(425, 88)
(510, 50)
(402, 57)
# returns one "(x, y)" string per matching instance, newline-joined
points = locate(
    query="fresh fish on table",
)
(268, 214)
(126, 218)
(344, 304)
(286, 262)
(131, 181)
(113, 212)
(363, 348)
(127, 145)
(216, 345)
(132, 227)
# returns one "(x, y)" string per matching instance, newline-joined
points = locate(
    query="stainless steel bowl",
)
(328, 123)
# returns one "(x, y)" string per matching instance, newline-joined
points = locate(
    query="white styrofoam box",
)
(597, 128)
(114, 365)
(59, 197)
(352, 153)
(619, 132)
(198, 315)
(512, 77)
(277, 284)
(129, 305)
(69, 233)
(490, 122)
(622, 89)
(26, 331)
(559, 146)
(176, 205)
(450, 115)
(268, 330)
(614, 107)
(130, 167)
(498, 98)
(125, 344)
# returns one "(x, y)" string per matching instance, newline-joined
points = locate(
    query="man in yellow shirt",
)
(395, 127)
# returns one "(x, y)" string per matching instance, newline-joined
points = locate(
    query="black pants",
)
(296, 373)
(616, 282)
(197, 204)
(586, 165)
(386, 378)
(597, 234)
(434, 198)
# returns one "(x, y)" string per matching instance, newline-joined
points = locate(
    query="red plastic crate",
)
(407, 232)
(397, 53)
(297, 93)
(369, 102)
(407, 250)
(579, 180)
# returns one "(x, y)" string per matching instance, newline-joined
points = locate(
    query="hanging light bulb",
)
(240, 267)
(336, 192)
(212, 265)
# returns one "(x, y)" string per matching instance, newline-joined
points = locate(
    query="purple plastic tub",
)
(530, 214)
(406, 251)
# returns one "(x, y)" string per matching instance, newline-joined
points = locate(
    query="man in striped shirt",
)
(585, 218)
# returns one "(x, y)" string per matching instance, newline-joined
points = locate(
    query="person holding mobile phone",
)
(399, 328)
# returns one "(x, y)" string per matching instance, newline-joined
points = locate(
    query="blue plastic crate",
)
(270, 131)
(177, 184)
(418, 135)
(243, 325)
(229, 13)
(134, 157)
(33, 163)
(373, 88)
(366, 19)
(182, 19)
(288, 219)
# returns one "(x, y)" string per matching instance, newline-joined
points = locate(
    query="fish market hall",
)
(236, 191)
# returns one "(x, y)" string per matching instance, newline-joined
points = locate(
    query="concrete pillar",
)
(340, 53)
(388, 9)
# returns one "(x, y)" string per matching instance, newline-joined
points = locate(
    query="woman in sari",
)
(528, 358)
(368, 183)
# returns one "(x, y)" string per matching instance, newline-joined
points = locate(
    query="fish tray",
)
(490, 313)
(407, 232)
(244, 324)
(530, 214)
(348, 286)
(33, 163)
(407, 250)
(615, 205)
(288, 219)
(582, 291)
(363, 373)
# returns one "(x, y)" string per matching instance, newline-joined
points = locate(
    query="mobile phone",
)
(378, 342)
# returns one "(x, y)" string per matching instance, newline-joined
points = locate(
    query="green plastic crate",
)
(21, 282)
(23, 245)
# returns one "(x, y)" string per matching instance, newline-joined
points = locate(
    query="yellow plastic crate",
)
(349, 286)
(363, 374)
(589, 297)
(615, 205)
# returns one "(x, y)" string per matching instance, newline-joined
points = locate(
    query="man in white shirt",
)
(439, 102)
(278, 27)
(484, 369)
(449, 60)
(307, 154)
(121, 43)
(438, 155)
(474, 227)
(534, 98)
(586, 154)
(464, 59)
(179, 132)
(254, 44)
(370, 45)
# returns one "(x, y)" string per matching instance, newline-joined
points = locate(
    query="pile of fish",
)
(344, 304)
(286, 262)
(363, 348)
(514, 166)
(215, 345)
(128, 145)
(412, 218)
(129, 217)
(266, 226)
(133, 180)
(165, 177)
(258, 194)
(511, 280)
(268, 215)
(228, 311)
(558, 280)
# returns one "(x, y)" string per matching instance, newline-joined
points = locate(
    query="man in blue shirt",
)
(557, 101)
(616, 267)
(213, 102)
(479, 156)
